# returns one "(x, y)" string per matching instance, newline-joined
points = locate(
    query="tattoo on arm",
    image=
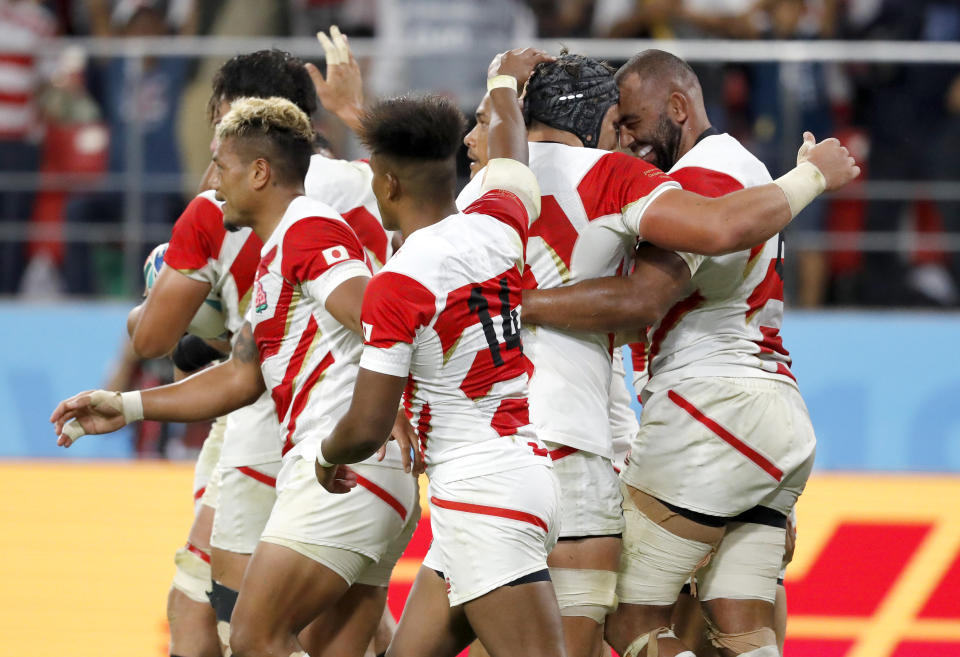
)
(245, 349)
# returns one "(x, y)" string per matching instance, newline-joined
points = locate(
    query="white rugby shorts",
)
(493, 529)
(366, 520)
(591, 503)
(206, 465)
(244, 501)
(721, 446)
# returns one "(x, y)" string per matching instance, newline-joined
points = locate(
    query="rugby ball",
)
(209, 321)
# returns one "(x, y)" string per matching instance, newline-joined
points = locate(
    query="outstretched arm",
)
(210, 393)
(613, 303)
(682, 221)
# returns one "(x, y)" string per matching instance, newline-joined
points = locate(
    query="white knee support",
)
(746, 565)
(192, 576)
(581, 592)
(655, 563)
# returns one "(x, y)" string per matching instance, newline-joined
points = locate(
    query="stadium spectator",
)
(24, 24)
(140, 101)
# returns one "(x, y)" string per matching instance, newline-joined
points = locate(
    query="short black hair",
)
(658, 64)
(264, 74)
(426, 127)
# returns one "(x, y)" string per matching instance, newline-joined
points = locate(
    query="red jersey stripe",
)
(304, 395)
(383, 495)
(560, 452)
(726, 436)
(259, 476)
(512, 514)
(199, 493)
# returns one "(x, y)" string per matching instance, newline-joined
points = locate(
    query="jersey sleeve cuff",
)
(321, 287)
(633, 214)
(393, 360)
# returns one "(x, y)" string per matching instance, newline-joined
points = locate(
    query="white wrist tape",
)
(801, 185)
(505, 81)
(131, 405)
(321, 459)
(515, 177)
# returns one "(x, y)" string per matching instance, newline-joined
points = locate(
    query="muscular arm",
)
(613, 303)
(682, 221)
(369, 419)
(157, 324)
(212, 392)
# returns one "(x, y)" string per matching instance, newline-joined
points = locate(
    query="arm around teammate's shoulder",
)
(682, 221)
(613, 303)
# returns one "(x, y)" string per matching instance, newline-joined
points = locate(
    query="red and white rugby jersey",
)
(24, 26)
(202, 249)
(309, 360)
(728, 323)
(593, 203)
(346, 187)
(443, 312)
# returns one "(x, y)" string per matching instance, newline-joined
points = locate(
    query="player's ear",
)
(678, 106)
(393, 186)
(260, 173)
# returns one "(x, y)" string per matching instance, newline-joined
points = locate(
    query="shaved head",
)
(661, 68)
(661, 107)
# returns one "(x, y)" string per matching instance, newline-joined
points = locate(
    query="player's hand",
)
(831, 157)
(91, 411)
(341, 91)
(337, 478)
(518, 63)
(406, 437)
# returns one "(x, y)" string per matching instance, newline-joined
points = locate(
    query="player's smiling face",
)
(476, 139)
(645, 128)
(230, 182)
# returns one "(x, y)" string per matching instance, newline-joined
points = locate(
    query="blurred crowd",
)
(106, 126)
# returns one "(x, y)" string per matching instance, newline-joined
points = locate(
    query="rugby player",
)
(202, 257)
(301, 342)
(596, 205)
(725, 445)
(440, 326)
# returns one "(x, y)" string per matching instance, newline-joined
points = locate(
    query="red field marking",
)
(927, 649)
(856, 569)
(817, 647)
(944, 602)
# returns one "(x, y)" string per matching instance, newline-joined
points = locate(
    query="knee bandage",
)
(192, 576)
(761, 642)
(746, 564)
(655, 563)
(649, 640)
(589, 593)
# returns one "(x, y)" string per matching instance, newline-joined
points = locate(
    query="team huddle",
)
(381, 325)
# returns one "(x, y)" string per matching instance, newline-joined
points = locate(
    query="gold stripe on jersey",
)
(449, 352)
(318, 336)
(558, 263)
(292, 309)
(244, 302)
(751, 263)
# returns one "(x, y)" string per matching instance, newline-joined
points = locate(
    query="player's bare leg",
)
(690, 626)
(345, 630)
(520, 620)
(429, 627)
(385, 631)
(282, 592)
(227, 570)
(583, 636)
(193, 625)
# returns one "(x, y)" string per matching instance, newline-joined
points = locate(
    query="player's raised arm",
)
(683, 221)
(210, 393)
(341, 91)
